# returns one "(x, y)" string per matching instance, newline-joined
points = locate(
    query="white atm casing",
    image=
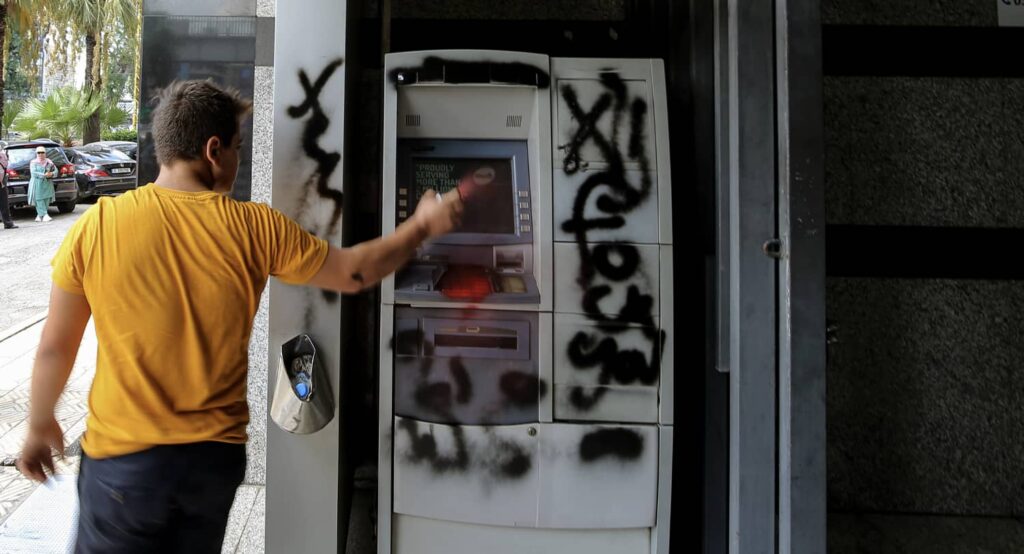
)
(560, 505)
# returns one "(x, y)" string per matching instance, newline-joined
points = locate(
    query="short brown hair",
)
(189, 113)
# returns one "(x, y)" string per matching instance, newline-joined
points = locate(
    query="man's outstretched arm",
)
(366, 264)
(62, 335)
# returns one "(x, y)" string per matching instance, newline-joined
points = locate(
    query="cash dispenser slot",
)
(503, 340)
(453, 340)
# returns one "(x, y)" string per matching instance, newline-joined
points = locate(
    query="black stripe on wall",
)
(924, 252)
(884, 51)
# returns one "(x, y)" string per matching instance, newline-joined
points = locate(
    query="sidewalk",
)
(22, 502)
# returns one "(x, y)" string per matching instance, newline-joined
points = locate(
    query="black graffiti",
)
(435, 397)
(435, 69)
(316, 126)
(582, 401)
(622, 366)
(495, 456)
(602, 260)
(616, 262)
(507, 459)
(500, 457)
(517, 465)
(522, 389)
(624, 444)
(463, 384)
(406, 343)
(424, 448)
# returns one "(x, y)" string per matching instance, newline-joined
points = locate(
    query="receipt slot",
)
(525, 382)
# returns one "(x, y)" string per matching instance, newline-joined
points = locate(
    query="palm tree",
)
(59, 116)
(112, 116)
(11, 111)
(94, 19)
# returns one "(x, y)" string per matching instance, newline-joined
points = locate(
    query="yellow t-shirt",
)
(174, 281)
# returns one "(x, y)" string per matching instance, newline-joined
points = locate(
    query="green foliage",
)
(12, 108)
(121, 134)
(111, 116)
(59, 116)
(16, 77)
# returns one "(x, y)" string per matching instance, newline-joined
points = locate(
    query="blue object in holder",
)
(303, 402)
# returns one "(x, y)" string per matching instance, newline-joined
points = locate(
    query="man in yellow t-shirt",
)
(172, 274)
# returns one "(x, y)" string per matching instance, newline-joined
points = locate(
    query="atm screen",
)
(487, 186)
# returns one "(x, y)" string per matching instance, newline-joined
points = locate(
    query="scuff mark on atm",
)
(436, 69)
(616, 262)
(316, 126)
(624, 444)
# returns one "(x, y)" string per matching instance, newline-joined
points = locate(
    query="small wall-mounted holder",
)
(302, 402)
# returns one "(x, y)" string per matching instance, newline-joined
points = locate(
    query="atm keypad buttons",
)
(524, 216)
(524, 205)
(403, 202)
(525, 228)
(523, 193)
(403, 191)
(402, 214)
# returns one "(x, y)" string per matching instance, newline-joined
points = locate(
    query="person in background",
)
(5, 208)
(40, 187)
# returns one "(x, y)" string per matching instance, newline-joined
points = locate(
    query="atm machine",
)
(526, 377)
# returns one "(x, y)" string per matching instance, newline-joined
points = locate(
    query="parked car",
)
(130, 148)
(101, 170)
(20, 154)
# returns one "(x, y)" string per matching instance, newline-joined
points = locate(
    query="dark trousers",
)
(5, 210)
(165, 499)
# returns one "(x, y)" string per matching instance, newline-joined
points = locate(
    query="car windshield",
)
(22, 156)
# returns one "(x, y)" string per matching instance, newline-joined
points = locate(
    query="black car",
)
(20, 154)
(100, 170)
(129, 148)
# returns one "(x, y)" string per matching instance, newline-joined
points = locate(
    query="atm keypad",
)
(524, 212)
(402, 204)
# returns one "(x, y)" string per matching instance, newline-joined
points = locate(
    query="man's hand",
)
(37, 455)
(439, 214)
